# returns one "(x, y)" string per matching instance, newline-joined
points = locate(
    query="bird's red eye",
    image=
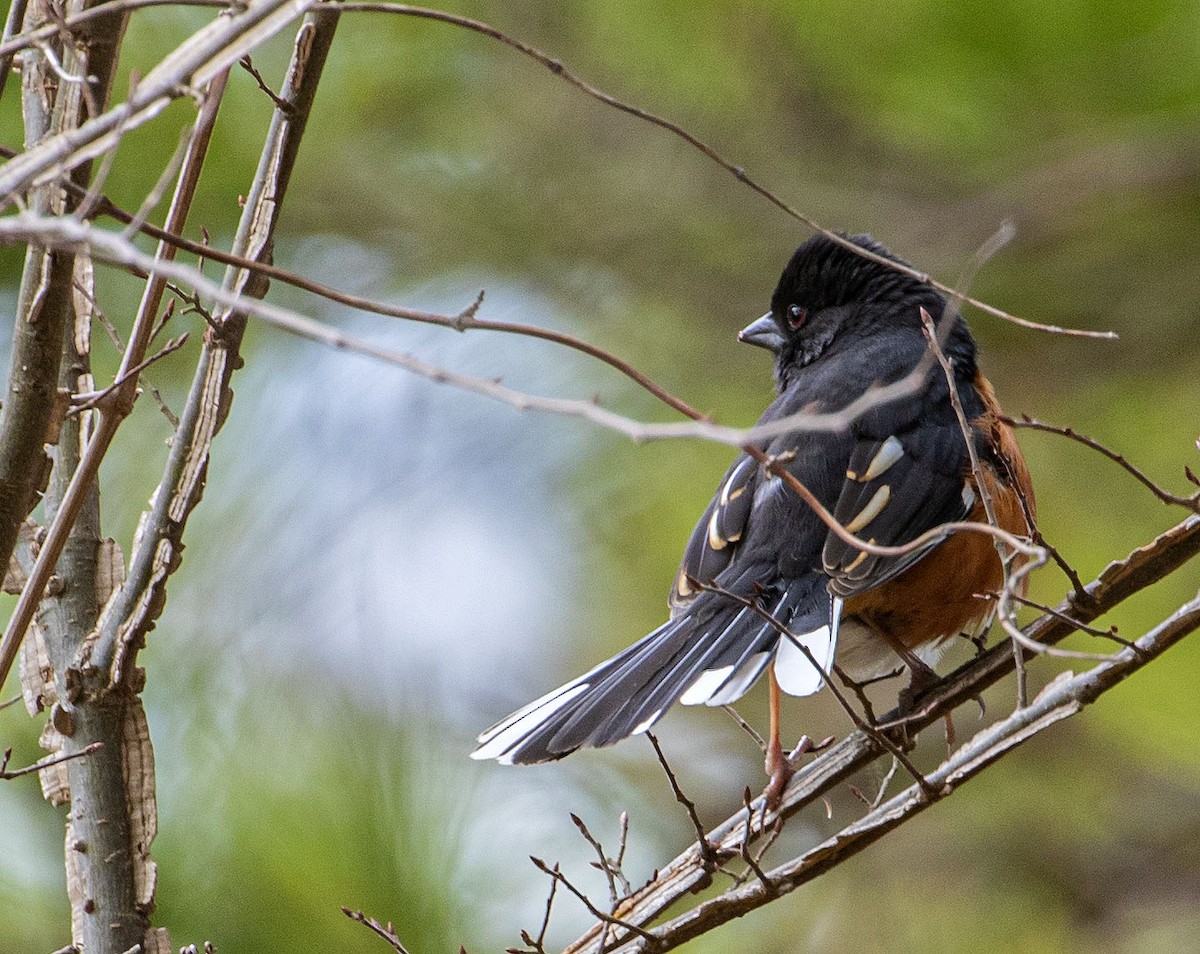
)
(796, 317)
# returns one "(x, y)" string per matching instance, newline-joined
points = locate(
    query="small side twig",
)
(91, 399)
(6, 773)
(280, 103)
(594, 911)
(388, 932)
(746, 727)
(752, 861)
(610, 867)
(859, 722)
(707, 852)
(1191, 502)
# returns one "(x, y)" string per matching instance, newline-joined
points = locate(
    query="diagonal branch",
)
(1062, 698)
(1119, 581)
(134, 609)
(1191, 502)
(113, 412)
(556, 67)
(196, 62)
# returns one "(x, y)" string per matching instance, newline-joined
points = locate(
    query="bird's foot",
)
(781, 766)
(922, 678)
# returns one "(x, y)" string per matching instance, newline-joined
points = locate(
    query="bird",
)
(765, 583)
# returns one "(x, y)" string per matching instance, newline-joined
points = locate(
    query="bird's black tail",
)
(711, 654)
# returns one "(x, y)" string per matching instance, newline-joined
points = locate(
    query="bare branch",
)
(115, 410)
(1191, 502)
(388, 932)
(15, 42)
(556, 67)
(608, 919)
(194, 64)
(1064, 697)
(707, 852)
(91, 399)
(1116, 583)
(6, 773)
(133, 610)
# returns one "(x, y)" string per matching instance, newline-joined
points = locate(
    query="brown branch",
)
(115, 409)
(538, 944)
(857, 720)
(1064, 697)
(605, 864)
(248, 65)
(388, 932)
(556, 67)
(1191, 502)
(1119, 581)
(91, 399)
(31, 37)
(608, 919)
(133, 611)
(6, 773)
(204, 54)
(709, 856)
(752, 861)
(112, 248)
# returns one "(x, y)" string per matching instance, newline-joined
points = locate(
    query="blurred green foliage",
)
(283, 794)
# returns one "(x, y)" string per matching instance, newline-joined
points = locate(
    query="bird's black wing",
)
(716, 537)
(907, 474)
(756, 540)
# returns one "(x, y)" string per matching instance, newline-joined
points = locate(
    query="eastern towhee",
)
(838, 325)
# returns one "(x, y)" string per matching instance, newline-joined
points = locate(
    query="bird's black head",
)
(829, 292)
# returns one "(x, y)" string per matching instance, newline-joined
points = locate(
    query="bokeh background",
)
(382, 567)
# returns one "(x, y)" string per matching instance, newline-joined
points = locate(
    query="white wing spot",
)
(868, 513)
(795, 671)
(740, 681)
(643, 726)
(889, 452)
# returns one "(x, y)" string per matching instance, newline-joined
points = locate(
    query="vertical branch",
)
(135, 607)
(118, 402)
(44, 301)
(51, 351)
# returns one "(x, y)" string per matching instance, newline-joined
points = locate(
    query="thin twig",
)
(540, 941)
(587, 902)
(94, 398)
(6, 774)
(1119, 581)
(859, 723)
(1110, 633)
(605, 864)
(1191, 502)
(280, 103)
(746, 727)
(388, 932)
(556, 67)
(114, 412)
(1064, 697)
(751, 860)
(707, 852)
(29, 38)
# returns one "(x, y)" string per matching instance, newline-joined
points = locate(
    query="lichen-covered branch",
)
(45, 300)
